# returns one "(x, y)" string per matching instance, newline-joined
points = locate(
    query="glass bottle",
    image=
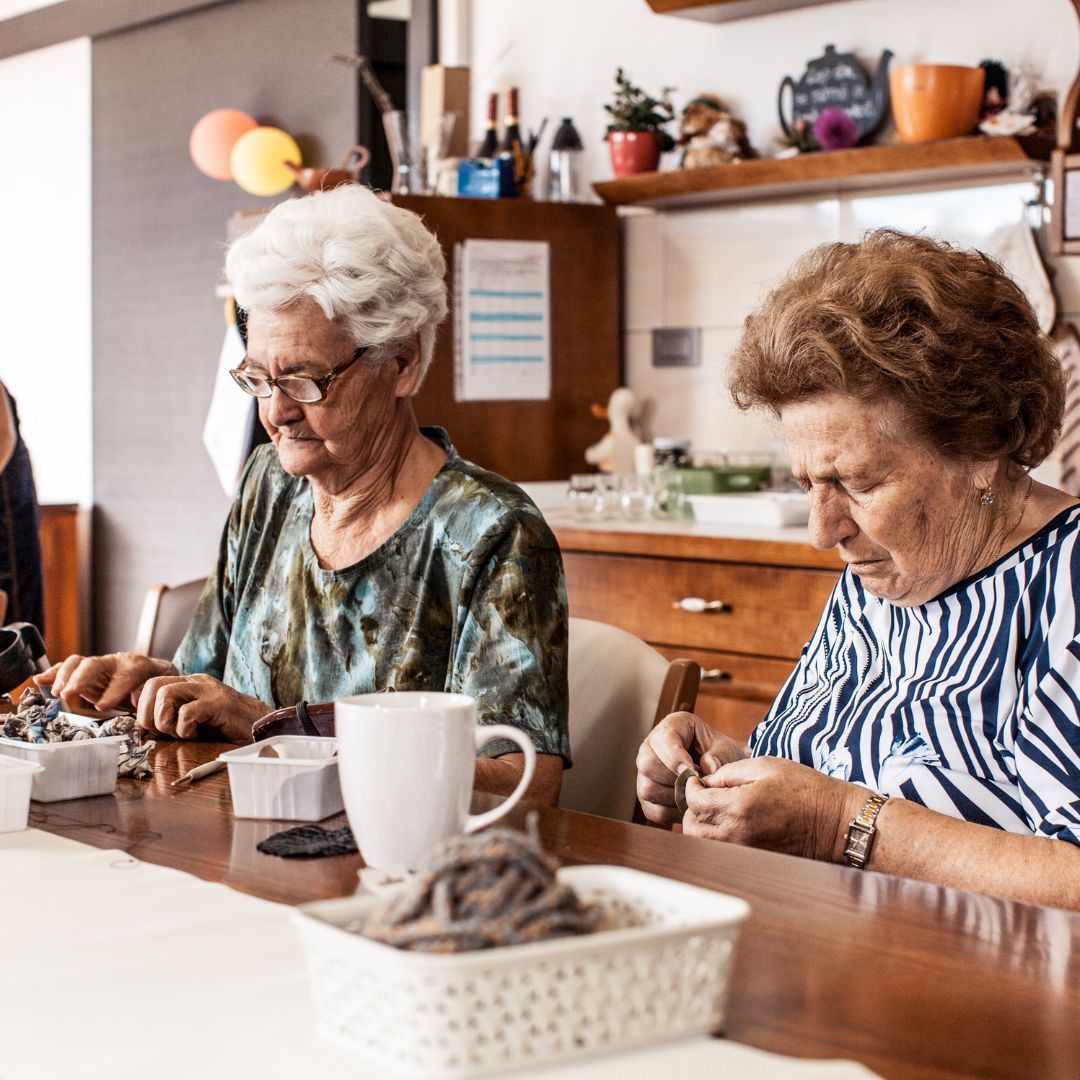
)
(511, 143)
(489, 148)
(565, 164)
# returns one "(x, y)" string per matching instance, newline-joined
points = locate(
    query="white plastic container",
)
(73, 770)
(16, 777)
(754, 508)
(660, 973)
(299, 782)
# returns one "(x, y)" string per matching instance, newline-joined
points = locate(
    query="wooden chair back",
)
(166, 615)
(620, 687)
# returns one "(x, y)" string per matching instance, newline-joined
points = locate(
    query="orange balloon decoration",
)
(213, 138)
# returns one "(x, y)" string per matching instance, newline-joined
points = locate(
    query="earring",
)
(987, 497)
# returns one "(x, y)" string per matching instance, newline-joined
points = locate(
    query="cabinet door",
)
(736, 691)
(761, 610)
(534, 440)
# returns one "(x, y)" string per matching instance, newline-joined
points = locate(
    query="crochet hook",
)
(199, 772)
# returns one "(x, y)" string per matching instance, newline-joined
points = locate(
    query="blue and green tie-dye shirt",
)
(467, 596)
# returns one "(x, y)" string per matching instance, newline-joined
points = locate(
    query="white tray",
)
(16, 776)
(300, 784)
(73, 770)
(661, 974)
(753, 508)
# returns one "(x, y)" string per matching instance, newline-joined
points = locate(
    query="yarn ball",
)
(484, 891)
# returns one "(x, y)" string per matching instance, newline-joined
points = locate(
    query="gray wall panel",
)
(158, 229)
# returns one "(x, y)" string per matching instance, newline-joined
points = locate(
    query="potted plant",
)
(636, 135)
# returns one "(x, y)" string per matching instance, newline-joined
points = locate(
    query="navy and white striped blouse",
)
(968, 704)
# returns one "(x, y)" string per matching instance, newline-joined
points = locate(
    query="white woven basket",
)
(661, 973)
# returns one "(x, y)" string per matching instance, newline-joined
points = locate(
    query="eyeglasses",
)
(303, 388)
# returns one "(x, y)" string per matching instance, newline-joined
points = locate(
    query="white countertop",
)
(550, 497)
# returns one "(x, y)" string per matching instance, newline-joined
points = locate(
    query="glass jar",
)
(671, 453)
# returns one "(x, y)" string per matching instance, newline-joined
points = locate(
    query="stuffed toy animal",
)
(711, 135)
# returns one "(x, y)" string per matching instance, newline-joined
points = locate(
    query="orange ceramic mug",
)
(935, 101)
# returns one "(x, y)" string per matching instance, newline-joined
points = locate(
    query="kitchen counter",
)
(761, 545)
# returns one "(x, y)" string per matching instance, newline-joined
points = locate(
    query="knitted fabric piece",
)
(482, 892)
(309, 840)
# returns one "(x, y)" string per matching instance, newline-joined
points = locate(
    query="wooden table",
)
(915, 981)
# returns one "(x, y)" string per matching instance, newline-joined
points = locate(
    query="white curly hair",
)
(364, 261)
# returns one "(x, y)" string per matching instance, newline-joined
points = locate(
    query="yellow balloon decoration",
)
(258, 161)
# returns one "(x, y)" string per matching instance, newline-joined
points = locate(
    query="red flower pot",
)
(634, 152)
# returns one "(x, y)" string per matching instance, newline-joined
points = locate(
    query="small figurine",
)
(614, 453)
(710, 134)
(996, 88)
(1008, 101)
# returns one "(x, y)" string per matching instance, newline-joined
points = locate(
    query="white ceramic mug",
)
(407, 762)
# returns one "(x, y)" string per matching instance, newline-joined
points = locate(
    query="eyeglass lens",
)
(296, 387)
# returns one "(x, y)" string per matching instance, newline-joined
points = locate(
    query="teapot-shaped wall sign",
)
(836, 80)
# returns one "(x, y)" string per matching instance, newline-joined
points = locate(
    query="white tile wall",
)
(718, 263)
(709, 267)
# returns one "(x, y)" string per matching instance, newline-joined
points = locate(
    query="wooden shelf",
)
(970, 159)
(727, 10)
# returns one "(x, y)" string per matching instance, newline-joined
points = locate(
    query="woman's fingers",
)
(657, 801)
(159, 703)
(191, 714)
(85, 678)
(666, 750)
(61, 674)
(45, 678)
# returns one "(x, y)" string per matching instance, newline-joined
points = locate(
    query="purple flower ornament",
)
(835, 130)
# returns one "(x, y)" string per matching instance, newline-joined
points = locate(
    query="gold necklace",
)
(1020, 516)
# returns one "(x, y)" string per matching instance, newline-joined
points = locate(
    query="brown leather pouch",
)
(302, 719)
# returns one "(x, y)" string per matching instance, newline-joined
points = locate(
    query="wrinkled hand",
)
(678, 741)
(774, 804)
(113, 681)
(178, 704)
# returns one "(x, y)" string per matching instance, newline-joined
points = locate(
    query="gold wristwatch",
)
(860, 834)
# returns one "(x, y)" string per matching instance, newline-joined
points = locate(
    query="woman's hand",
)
(178, 704)
(113, 681)
(775, 804)
(678, 742)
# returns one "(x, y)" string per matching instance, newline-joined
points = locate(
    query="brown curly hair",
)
(942, 331)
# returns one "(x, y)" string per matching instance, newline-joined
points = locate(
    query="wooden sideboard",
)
(65, 564)
(772, 594)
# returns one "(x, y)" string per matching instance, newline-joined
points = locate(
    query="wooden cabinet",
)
(762, 602)
(542, 439)
(65, 565)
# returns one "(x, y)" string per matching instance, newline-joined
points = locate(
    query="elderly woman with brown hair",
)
(931, 727)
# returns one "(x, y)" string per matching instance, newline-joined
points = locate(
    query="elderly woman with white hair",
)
(361, 552)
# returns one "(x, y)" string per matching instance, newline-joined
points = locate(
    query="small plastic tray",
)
(657, 971)
(299, 783)
(753, 508)
(16, 777)
(73, 770)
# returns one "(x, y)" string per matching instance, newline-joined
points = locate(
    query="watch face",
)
(858, 845)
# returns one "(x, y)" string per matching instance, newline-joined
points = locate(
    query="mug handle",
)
(486, 733)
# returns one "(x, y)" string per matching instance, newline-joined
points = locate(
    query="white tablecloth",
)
(115, 968)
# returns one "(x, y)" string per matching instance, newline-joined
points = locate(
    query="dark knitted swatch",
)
(309, 840)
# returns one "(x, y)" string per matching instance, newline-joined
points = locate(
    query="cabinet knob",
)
(714, 674)
(696, 605)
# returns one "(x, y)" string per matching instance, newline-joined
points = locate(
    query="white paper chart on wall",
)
(502, 309)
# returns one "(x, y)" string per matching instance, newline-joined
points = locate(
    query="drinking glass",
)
(582, 495)
(670, 495)
(637, 497)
